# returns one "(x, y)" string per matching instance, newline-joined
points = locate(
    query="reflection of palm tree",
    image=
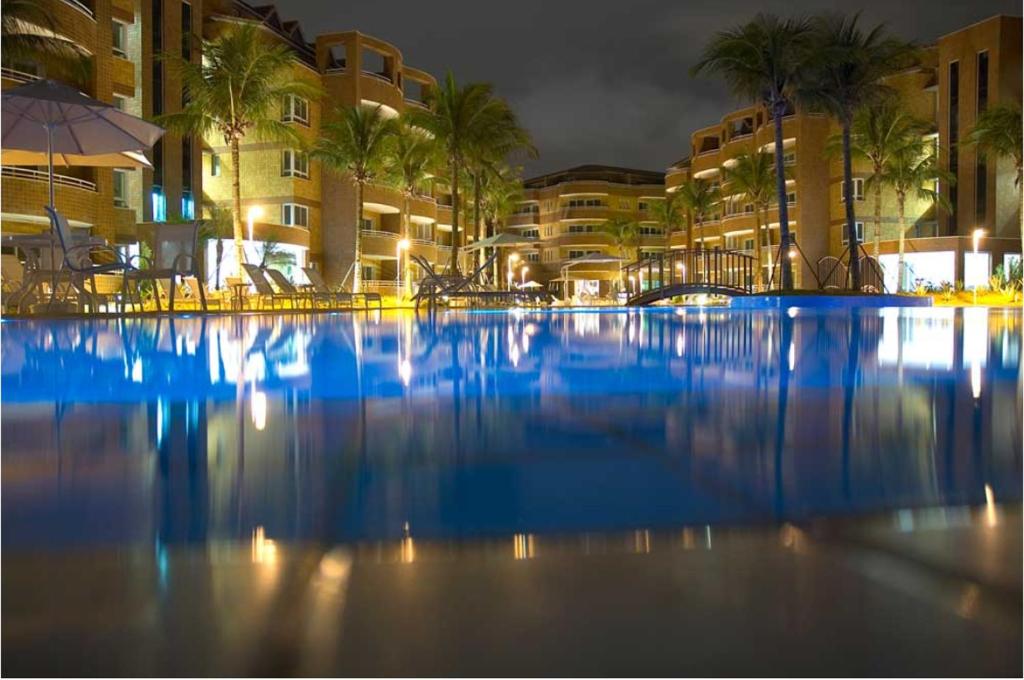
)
(849, 392)
(785, 340)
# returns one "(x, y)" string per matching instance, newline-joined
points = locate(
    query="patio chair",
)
(325, 292)
(175, 254)
(285, 286)
(12, 275)
(79, 265)
(264, 291)
(198, 291)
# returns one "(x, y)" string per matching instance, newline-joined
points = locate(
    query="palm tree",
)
(666, 213)
(357, 141)
(761, 61)
(846, 75)
(699, 198)
(998, 131)
(910, 172)
(409, 164)
(29, 32)
(236, 92)
(502, 191)
(460, 118)
(879, 131)
(625, 236)
(752, 176)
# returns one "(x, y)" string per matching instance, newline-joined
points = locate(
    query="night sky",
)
(593, 81)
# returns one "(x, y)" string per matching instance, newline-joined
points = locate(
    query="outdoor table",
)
(238, 296)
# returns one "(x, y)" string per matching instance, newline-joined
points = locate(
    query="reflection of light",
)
(702, 300)
(405, 371)
(792, 312)
(258, 405)
(522, 546)
(642, 541)
(976, 381)
(990, 507)
(137, 371)
(680, 344)
(264, 550)
(408, 549)
(792, 356)
(513, 353)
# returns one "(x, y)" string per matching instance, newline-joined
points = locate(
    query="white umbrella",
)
(589, 258)
(51, 117)
(530, 284)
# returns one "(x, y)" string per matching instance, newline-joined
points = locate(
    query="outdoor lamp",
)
(523, 275)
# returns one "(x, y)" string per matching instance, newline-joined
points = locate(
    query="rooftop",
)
(599, 173)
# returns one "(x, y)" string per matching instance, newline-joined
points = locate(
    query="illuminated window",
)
(120, 39)
(120, 188)
(188, 205)
(214, 165)
(295, 110)
(159, 204)
(858, 189)
(859, 227)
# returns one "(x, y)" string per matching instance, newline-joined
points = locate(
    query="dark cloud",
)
(593, 83)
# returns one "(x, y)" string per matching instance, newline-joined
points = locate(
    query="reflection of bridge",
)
(682, 272)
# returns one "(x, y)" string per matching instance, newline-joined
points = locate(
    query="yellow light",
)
(792, 253)
(976, 238)
(403, 244)
(255, 212)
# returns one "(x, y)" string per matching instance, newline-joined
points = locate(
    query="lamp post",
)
(525, 270)
(403, 244)
(975, 241)
(254, 213)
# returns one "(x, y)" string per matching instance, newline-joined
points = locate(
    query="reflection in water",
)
(348, 427)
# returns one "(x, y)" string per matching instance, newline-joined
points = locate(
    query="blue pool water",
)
(335, 428)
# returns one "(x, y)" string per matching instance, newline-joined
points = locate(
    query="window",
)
(573, 254)
(789, 158)
(186, 31)
(623, 205)
(368, 273)
(120, 40)
(158, 65)
(295, 215)
(294, 164)
(188, 205)
(858, 189)
(650, 231)
(581, 228)
(120, 188)
(527, 209)
(422, 231)
(859, 227)
(295, 110)
(533, 256)
(367, 224)
(791, 198)
(120, 103)
(585, 203)
(982, 81)
(642, 206)
(954, 139)
(214, 165)
(531, 233)
(159, 204)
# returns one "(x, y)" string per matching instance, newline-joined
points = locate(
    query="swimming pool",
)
(351, 428)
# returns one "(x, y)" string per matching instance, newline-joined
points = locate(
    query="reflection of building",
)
(308, 213)
(961, 74)
(568, 211)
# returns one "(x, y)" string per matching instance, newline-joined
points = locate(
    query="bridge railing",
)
(698, 268)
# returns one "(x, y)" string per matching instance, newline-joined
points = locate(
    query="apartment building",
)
(567, 210)
(120, 39)
(959, 76)
(287, 198)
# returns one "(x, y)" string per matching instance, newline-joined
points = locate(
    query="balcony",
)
(34, 175)
(20, 77)
(523, 220)
(585, 213)
(378, 243)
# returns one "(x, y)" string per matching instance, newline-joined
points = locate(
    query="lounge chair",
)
(339, 298)
(199, 291)
(285, 286)
(264, 291)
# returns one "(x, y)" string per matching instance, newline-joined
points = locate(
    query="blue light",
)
(188, 206)
(159, 202)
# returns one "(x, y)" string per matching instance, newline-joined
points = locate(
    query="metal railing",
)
(379, 232)
(19, 76)
(82, 7)
(680, 271)
(34, 175)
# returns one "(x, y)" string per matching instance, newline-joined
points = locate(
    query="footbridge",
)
(685, 272)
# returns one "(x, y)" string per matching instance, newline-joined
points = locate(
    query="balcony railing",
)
(33, 175)
(379, 233)
(82, 7)
(379, 76)
(19, 76)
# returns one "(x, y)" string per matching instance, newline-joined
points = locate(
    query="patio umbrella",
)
(502, 240)
(123, 159)
(530, 284)
(51, 117)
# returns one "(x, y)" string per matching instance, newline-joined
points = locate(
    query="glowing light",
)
(976, 381)
(408, 548)
(702, 300)
(792, 356)
(976, 238)
(264, 550)
(258, 406)
(522, 546)
(792, 312)
(405, 371)
(991, 517)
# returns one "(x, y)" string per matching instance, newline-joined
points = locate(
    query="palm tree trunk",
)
(236, 199)
(220, 258)
(689, 230)
(778, 109)
(878, 214)
(851, 227)
(454, 167)
(476, 216)
(357, 257)
(758, 252)
(406, 284)
(900, 200)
